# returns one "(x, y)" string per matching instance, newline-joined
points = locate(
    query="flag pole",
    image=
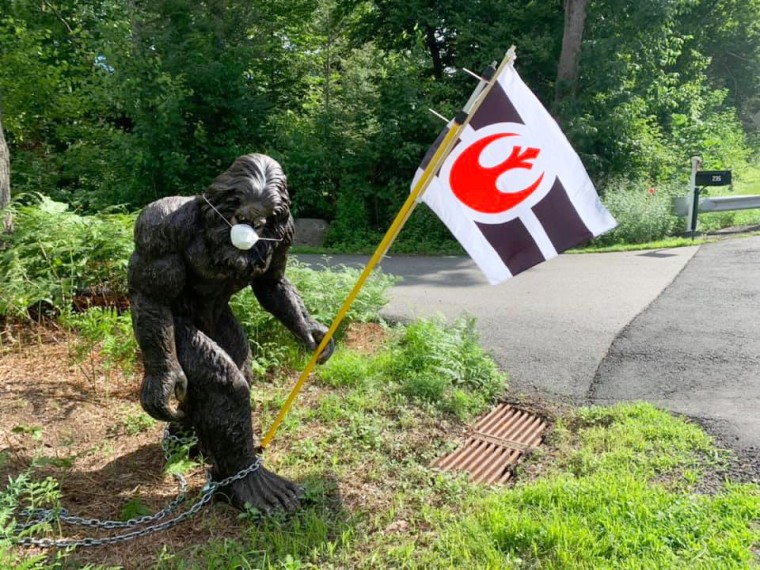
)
(443, 150)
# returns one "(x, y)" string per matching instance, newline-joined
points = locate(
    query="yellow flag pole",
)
(403, 215)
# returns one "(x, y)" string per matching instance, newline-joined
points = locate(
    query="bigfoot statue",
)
(191, 255)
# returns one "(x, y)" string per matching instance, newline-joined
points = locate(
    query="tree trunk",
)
(569, 59)
(435, 51)
(5, 179)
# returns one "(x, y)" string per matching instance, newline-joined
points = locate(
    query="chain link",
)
(39, 516)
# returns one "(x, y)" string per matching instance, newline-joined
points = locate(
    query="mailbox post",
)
(699, 179)
(691, 218)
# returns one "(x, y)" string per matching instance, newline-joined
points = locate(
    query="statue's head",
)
(253, 191)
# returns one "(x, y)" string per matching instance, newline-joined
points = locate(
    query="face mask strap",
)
(217, 211)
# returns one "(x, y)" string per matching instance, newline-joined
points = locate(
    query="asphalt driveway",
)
(696, 349)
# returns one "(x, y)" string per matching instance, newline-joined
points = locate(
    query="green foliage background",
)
(121, 102)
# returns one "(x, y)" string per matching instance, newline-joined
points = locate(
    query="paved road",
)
(675, 327)
(696, 349)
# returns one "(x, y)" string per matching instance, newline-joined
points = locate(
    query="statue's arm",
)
(154, 283)
(279, 297)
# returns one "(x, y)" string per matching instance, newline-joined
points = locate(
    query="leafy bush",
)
(323, 293)
(643, 214)
(443, 364)
(428, 361)
(433, 347)
(55, 254)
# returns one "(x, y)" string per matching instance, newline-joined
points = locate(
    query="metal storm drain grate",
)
(495, 444)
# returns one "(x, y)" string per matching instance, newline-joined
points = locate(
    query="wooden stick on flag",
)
(422, 181)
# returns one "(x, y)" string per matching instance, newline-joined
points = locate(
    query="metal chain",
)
(37, 516)
(207, 492)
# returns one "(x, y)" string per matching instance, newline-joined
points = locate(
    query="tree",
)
(569, 59)
(5, 176)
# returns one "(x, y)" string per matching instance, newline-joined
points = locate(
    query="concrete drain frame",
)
(495, 444)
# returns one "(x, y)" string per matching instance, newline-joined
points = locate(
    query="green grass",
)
(619, 494)
(658, 244)
(614, 487)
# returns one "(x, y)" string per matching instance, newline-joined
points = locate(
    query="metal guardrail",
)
(716, 204)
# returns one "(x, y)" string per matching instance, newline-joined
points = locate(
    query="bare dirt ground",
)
(73, 426)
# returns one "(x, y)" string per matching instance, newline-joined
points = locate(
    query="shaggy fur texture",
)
(182, 274)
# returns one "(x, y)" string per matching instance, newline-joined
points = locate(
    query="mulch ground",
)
(71, 421)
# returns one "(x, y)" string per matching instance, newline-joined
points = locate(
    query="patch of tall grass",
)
(429, 362)
(644, 214)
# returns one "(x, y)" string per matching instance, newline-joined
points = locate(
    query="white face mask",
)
(242, 236)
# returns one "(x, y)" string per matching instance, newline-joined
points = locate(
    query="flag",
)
(512, 190)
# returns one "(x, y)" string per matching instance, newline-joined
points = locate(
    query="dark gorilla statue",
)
(182, 274)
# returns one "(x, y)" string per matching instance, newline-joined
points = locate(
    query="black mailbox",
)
(713, 178)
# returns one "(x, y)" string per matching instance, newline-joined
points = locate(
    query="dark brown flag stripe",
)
(560, 219)
(516, 247)
(514, 244)
(495, 108)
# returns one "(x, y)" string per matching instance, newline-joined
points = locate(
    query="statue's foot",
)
(263, 491)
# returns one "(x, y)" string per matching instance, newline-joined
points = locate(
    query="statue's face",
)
(246, 204)
(253, 213)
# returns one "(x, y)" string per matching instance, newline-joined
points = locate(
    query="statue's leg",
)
(220, 411)
(229, 334)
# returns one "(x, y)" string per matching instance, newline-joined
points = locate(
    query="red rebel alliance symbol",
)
(475, 185)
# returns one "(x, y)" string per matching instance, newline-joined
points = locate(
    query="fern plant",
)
(104, 332)
(55, 254)
(442, 363)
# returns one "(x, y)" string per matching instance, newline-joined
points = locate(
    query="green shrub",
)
(55, 254)
(450, 350)
(642, 215)
(435, 364)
